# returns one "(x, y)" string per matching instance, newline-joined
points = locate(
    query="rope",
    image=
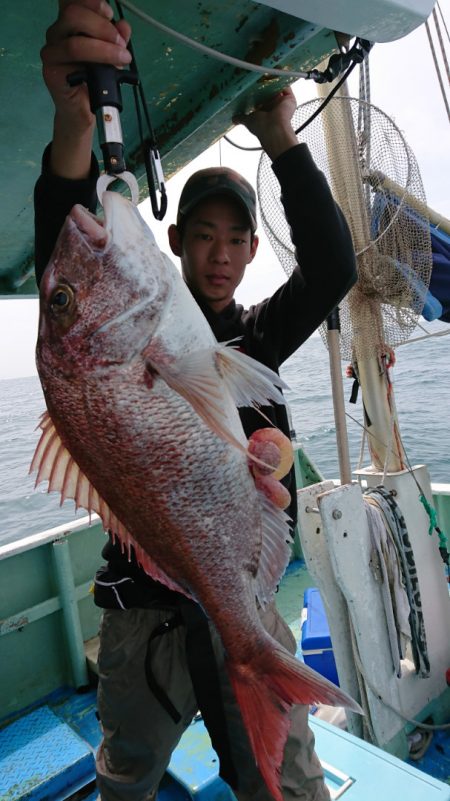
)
(361, 674)
(428, 336)
(418, 723)
(443, 541)
(392, 420)
(389, 446)
(431, 512)
(362, 449)
(367, 725)
(438, 72)
(364, 683)
(441, 42)
(443, 20)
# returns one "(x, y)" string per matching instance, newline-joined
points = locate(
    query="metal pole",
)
(338, 397)
(72, 625)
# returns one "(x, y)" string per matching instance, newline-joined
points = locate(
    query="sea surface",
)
(422, 391)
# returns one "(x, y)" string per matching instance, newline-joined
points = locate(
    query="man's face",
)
(215, 249)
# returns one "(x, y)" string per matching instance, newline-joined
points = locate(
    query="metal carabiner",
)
(155, 179)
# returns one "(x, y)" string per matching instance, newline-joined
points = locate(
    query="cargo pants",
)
(139, 735)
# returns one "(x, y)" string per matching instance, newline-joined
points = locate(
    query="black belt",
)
(205, 681)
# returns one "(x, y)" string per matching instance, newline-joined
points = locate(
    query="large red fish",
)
(142, 428)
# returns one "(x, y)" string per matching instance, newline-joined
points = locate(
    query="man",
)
(159, 657)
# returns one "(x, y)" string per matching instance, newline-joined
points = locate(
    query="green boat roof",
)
(191, 97)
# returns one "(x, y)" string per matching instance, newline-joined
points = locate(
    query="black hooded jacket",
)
(269, 331)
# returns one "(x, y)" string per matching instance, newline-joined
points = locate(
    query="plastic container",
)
(317, 648)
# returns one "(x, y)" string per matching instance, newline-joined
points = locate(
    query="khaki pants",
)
(139, 736)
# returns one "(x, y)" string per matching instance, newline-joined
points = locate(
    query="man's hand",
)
(82, 33)
(271, 123)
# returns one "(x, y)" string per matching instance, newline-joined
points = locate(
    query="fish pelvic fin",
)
(265, 690)
(54, 464)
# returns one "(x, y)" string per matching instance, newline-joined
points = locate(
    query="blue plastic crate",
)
(317, 648)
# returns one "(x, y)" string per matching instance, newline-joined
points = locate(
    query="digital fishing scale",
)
(104, 83)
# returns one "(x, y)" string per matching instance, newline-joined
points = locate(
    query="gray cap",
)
(217, 181)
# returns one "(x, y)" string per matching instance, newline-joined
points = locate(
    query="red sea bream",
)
(142, 427)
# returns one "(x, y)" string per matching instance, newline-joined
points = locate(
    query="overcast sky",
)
(403, 85)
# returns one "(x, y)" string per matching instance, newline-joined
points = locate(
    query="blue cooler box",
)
(317, 649)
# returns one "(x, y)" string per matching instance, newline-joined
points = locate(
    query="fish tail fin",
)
(265, 692)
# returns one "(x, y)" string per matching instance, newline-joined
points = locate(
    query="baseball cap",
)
(217, 181)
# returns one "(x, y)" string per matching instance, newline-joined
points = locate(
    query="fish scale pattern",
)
(41, 757)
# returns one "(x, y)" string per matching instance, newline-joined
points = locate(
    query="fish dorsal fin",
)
(275, 550)
(54, 464)
(201, 376)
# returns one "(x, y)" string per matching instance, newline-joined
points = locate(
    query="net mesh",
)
(375, 179)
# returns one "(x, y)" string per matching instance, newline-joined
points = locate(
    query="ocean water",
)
(422, 391)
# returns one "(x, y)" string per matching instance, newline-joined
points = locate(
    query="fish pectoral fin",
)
(202, 376)
(198, 381)
(248, 381)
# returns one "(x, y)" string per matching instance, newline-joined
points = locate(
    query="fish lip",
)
(91, 227)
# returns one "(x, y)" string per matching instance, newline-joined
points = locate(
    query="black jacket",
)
(271, 330)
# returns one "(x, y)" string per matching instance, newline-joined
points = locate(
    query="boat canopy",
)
(377, 20)
(191, 96)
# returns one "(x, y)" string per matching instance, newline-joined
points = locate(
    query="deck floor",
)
(78, 710)
(289, 601)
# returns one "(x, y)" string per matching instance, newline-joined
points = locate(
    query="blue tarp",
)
(440, 274)
(436, 298)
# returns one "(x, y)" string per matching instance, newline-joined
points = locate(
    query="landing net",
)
(390, 231)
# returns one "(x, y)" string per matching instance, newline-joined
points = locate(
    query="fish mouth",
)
(91, 226)
(120, 226)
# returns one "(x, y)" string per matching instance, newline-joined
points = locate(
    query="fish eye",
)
(61, 298)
